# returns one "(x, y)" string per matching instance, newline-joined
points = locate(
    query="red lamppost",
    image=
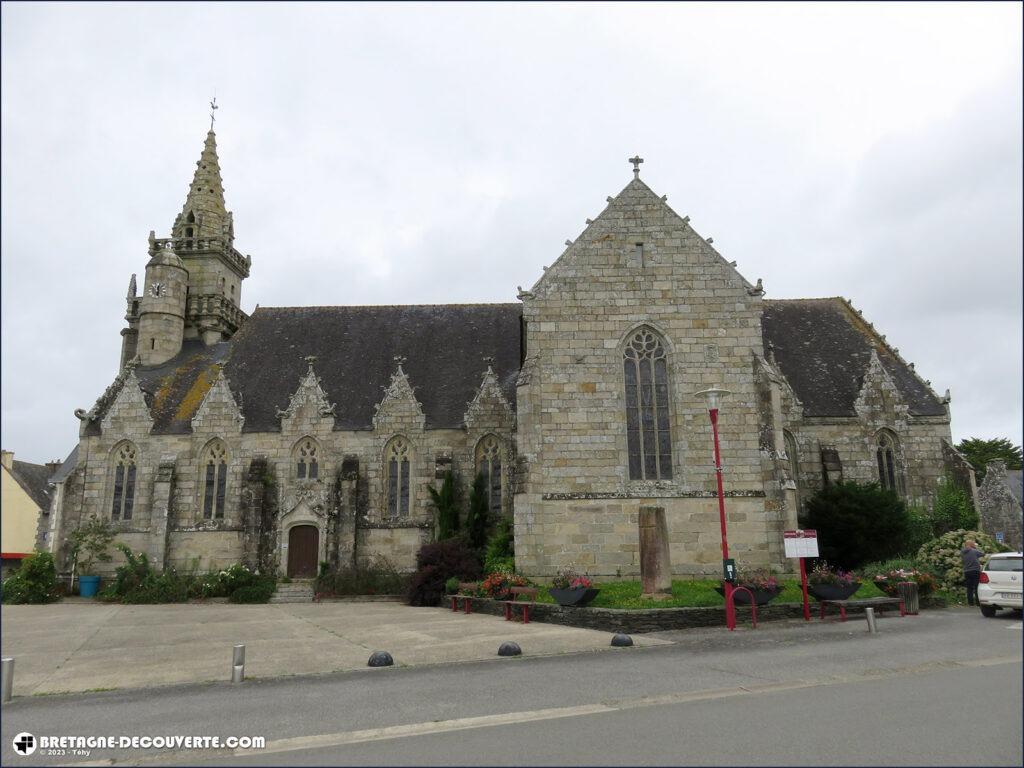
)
(712, 396)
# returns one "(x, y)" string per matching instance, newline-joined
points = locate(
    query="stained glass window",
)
(648, 428)
(488, 464)
(399, 476)
(215, 479)
(124, 482)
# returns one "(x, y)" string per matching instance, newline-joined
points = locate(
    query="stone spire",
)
(204, 213)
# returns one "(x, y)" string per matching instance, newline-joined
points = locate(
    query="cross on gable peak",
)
(636, 160)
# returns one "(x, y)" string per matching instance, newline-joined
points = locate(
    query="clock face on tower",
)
(157, 289)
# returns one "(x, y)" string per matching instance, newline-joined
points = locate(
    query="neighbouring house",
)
(302, 435)
(1000, 505)
(25, 497)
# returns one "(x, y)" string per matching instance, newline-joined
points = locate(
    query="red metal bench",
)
(467, 603)
(528, 592)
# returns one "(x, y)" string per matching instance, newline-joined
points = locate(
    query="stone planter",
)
(832, 591)
(573, 598)
(761, 596)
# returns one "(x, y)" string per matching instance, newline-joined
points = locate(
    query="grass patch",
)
(697, 593)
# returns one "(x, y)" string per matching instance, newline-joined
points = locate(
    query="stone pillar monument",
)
(655, 564)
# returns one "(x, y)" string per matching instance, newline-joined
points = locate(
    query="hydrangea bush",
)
(942, 555)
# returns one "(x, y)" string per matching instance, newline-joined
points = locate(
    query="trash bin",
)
(907, 592)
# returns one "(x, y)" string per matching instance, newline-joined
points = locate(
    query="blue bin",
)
(88, 586)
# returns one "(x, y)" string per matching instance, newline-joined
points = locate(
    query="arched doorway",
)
(303, 549)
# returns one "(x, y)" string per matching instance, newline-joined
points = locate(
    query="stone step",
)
(293, 592)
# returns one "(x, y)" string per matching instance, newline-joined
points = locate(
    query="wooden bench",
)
(530, 593)
(881, 603)
(467, 603)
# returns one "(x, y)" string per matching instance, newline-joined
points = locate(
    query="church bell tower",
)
(193, 285)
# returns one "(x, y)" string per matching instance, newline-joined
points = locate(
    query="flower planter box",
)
(761, 596)
(833, 591)
(573, 598)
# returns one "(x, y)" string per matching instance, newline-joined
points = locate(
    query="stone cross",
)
(310, 359)
(489, 361)
(400, 360)
(636, 160)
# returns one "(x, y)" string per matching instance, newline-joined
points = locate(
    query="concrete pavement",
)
(79, 646)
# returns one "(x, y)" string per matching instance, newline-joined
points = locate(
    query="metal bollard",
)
(8, 679)
(238, 664)
(869, 614)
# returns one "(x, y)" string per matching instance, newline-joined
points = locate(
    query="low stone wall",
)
(639, 621)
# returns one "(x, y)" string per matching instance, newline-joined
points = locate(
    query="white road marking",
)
(1016, 626)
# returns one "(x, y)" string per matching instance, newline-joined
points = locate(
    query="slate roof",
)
(444, 346)
(33, 478)
(66, 467)
(823, 348)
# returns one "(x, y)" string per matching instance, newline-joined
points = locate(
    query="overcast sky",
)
(418, 154)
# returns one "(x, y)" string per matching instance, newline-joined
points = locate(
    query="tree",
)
(90, 544)
(446, 502)
(858, 523)
(980, 452)
(476, 519)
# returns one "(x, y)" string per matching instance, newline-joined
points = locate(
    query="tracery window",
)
(648, 433)
(398, 471)
(214, 469)
(307, 465)
(887, 456)
(488, 464)
(124, 471)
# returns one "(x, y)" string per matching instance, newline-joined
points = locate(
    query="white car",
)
(1001, 582)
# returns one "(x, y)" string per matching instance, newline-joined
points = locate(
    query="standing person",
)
(971, 557)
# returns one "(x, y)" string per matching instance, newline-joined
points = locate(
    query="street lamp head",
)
(713, 396)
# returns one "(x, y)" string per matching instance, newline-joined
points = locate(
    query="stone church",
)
(300, 435)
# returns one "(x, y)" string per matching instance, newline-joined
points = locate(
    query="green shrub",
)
(500, 554)
(378, 577)
(858, 523)
(446, 503)
(260, 590)
(35, 582)
(942, 555)
(476, 518)
(952, 509)
(451, 586)
(919, 528)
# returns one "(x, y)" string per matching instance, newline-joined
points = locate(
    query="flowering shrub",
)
(567, 578)
(759, 578)
(887, 581)
(942, 555)
(497, 586)
(822, 574)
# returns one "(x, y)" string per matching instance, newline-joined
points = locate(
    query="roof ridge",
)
(384, 306)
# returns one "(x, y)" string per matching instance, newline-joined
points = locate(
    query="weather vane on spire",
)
(636, 160)
(213, 108)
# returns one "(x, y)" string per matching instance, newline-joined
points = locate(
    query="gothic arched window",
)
(648, 432)
(488, 464)
(398, 472)
(307, 464)
(214, 478)
(887, 455)
(123, 469)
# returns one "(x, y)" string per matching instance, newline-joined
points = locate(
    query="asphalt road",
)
(941, 688)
